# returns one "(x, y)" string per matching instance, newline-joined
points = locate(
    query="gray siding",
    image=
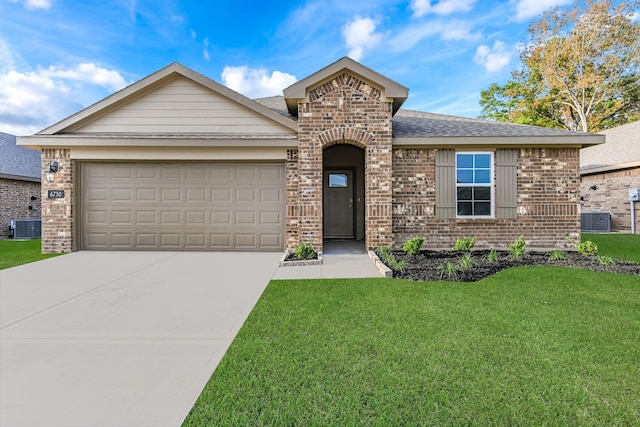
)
(182, 106)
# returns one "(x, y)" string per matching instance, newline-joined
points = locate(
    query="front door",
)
(338, 211)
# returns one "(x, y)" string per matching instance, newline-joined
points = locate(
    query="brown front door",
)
(338, 204)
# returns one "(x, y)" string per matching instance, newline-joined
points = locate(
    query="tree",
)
(580, 71)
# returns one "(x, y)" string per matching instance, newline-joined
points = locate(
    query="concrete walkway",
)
(129, 338)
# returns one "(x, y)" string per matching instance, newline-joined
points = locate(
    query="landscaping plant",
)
(413, 246)
(464, 244)
(518, 248)
(304, 251)
(557, 255)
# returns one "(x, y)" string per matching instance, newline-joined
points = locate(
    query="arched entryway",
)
(343, 192)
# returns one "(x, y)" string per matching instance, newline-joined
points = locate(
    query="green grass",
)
(528, 346)
(621, 246)
(18, 252)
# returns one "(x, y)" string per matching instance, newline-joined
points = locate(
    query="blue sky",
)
(59, 56)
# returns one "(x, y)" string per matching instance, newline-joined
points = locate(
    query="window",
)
(474, 184)
(338, 180)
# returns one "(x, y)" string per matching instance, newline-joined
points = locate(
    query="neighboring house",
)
(608, 172)
(177, 161)
(19, 182)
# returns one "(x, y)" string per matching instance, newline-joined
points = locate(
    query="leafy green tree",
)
(580, 71)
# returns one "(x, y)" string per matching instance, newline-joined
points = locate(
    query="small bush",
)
(587, 248)
(556, 255)
(450, 270)
(464, 244)
(492, 256)
(304, 251)
(413, 246)
(518, 248)
(606, 260)
(466, 260)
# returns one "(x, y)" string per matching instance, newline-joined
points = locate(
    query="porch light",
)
(53, 169)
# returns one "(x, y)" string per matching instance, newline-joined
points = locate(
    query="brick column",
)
(57, 213)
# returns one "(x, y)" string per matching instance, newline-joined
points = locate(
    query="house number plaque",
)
(55, 194)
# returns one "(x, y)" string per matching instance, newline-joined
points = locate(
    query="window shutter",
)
(506, 184)
(445, 184)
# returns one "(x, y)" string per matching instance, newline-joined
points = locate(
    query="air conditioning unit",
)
(596, 221)
(28, 228)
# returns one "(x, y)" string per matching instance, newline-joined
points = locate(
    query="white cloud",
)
(205, 49)
(359, 35)
(527, 9)
(32, 101)
(256, 82)
(413, 34)
(35, 4)
(443, 7)
(494, 58)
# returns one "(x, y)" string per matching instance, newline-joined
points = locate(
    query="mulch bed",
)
(428, 265)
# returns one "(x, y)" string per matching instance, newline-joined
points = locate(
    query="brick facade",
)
(548, 202)
(16, 202)
(58, 214)
(343, 110)
(611, 195)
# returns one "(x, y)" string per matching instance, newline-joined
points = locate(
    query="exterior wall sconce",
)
(53, 169)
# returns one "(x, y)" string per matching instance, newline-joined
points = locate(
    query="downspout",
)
(633, 218)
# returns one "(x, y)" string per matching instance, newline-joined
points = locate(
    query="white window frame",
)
(491, 184)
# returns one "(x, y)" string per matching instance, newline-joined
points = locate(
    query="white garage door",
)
(182, 206)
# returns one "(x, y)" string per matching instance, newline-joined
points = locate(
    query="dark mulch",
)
(428, 265)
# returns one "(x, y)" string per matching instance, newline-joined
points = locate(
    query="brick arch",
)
(352, 136)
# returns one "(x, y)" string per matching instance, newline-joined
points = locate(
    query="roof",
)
(17, 162)
(421, 128)
(620, 151)
(391, 90)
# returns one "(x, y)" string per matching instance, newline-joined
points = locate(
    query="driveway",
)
(119, 338)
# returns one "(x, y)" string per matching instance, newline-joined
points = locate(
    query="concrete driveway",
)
(119, 338)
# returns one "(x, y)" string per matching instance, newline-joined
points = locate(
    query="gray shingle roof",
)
(18, 162)
(418, 124)
(622, 147)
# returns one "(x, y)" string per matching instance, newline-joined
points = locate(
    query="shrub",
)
(304, 251)
(466, 260)
(518, 248)
(413, 246)
(587, 247)
(492, 256)
(449, 269)
(464, 244)
(606, 260)
(556, 255)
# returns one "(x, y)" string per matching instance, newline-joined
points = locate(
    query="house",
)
(19, 183)
(177, 161)
(608, 172)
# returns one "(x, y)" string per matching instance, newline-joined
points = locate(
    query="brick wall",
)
(58, 214)
(343, 110)
(548, 202)
(15, 200)
(612, 195)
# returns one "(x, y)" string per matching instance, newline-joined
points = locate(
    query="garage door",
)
(182, 206)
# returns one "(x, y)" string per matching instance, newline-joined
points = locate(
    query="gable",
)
(182, 106)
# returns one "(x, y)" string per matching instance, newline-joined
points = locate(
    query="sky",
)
(60, 56)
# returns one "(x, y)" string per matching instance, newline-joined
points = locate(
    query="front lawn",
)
(527, 346)
(17, 252)
(621, 246)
